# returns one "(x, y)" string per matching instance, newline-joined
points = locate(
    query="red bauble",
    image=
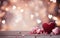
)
(34, 30)
(56, 30)
(38, 31)
(48, 27)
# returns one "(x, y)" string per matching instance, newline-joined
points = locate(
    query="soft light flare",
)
(14, 7)
(50, 16)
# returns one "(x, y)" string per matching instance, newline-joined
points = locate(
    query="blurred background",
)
(23, 15)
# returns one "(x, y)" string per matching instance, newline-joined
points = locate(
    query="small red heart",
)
(48, 27)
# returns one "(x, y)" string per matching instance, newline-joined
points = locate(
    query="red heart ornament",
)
(48, 27)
